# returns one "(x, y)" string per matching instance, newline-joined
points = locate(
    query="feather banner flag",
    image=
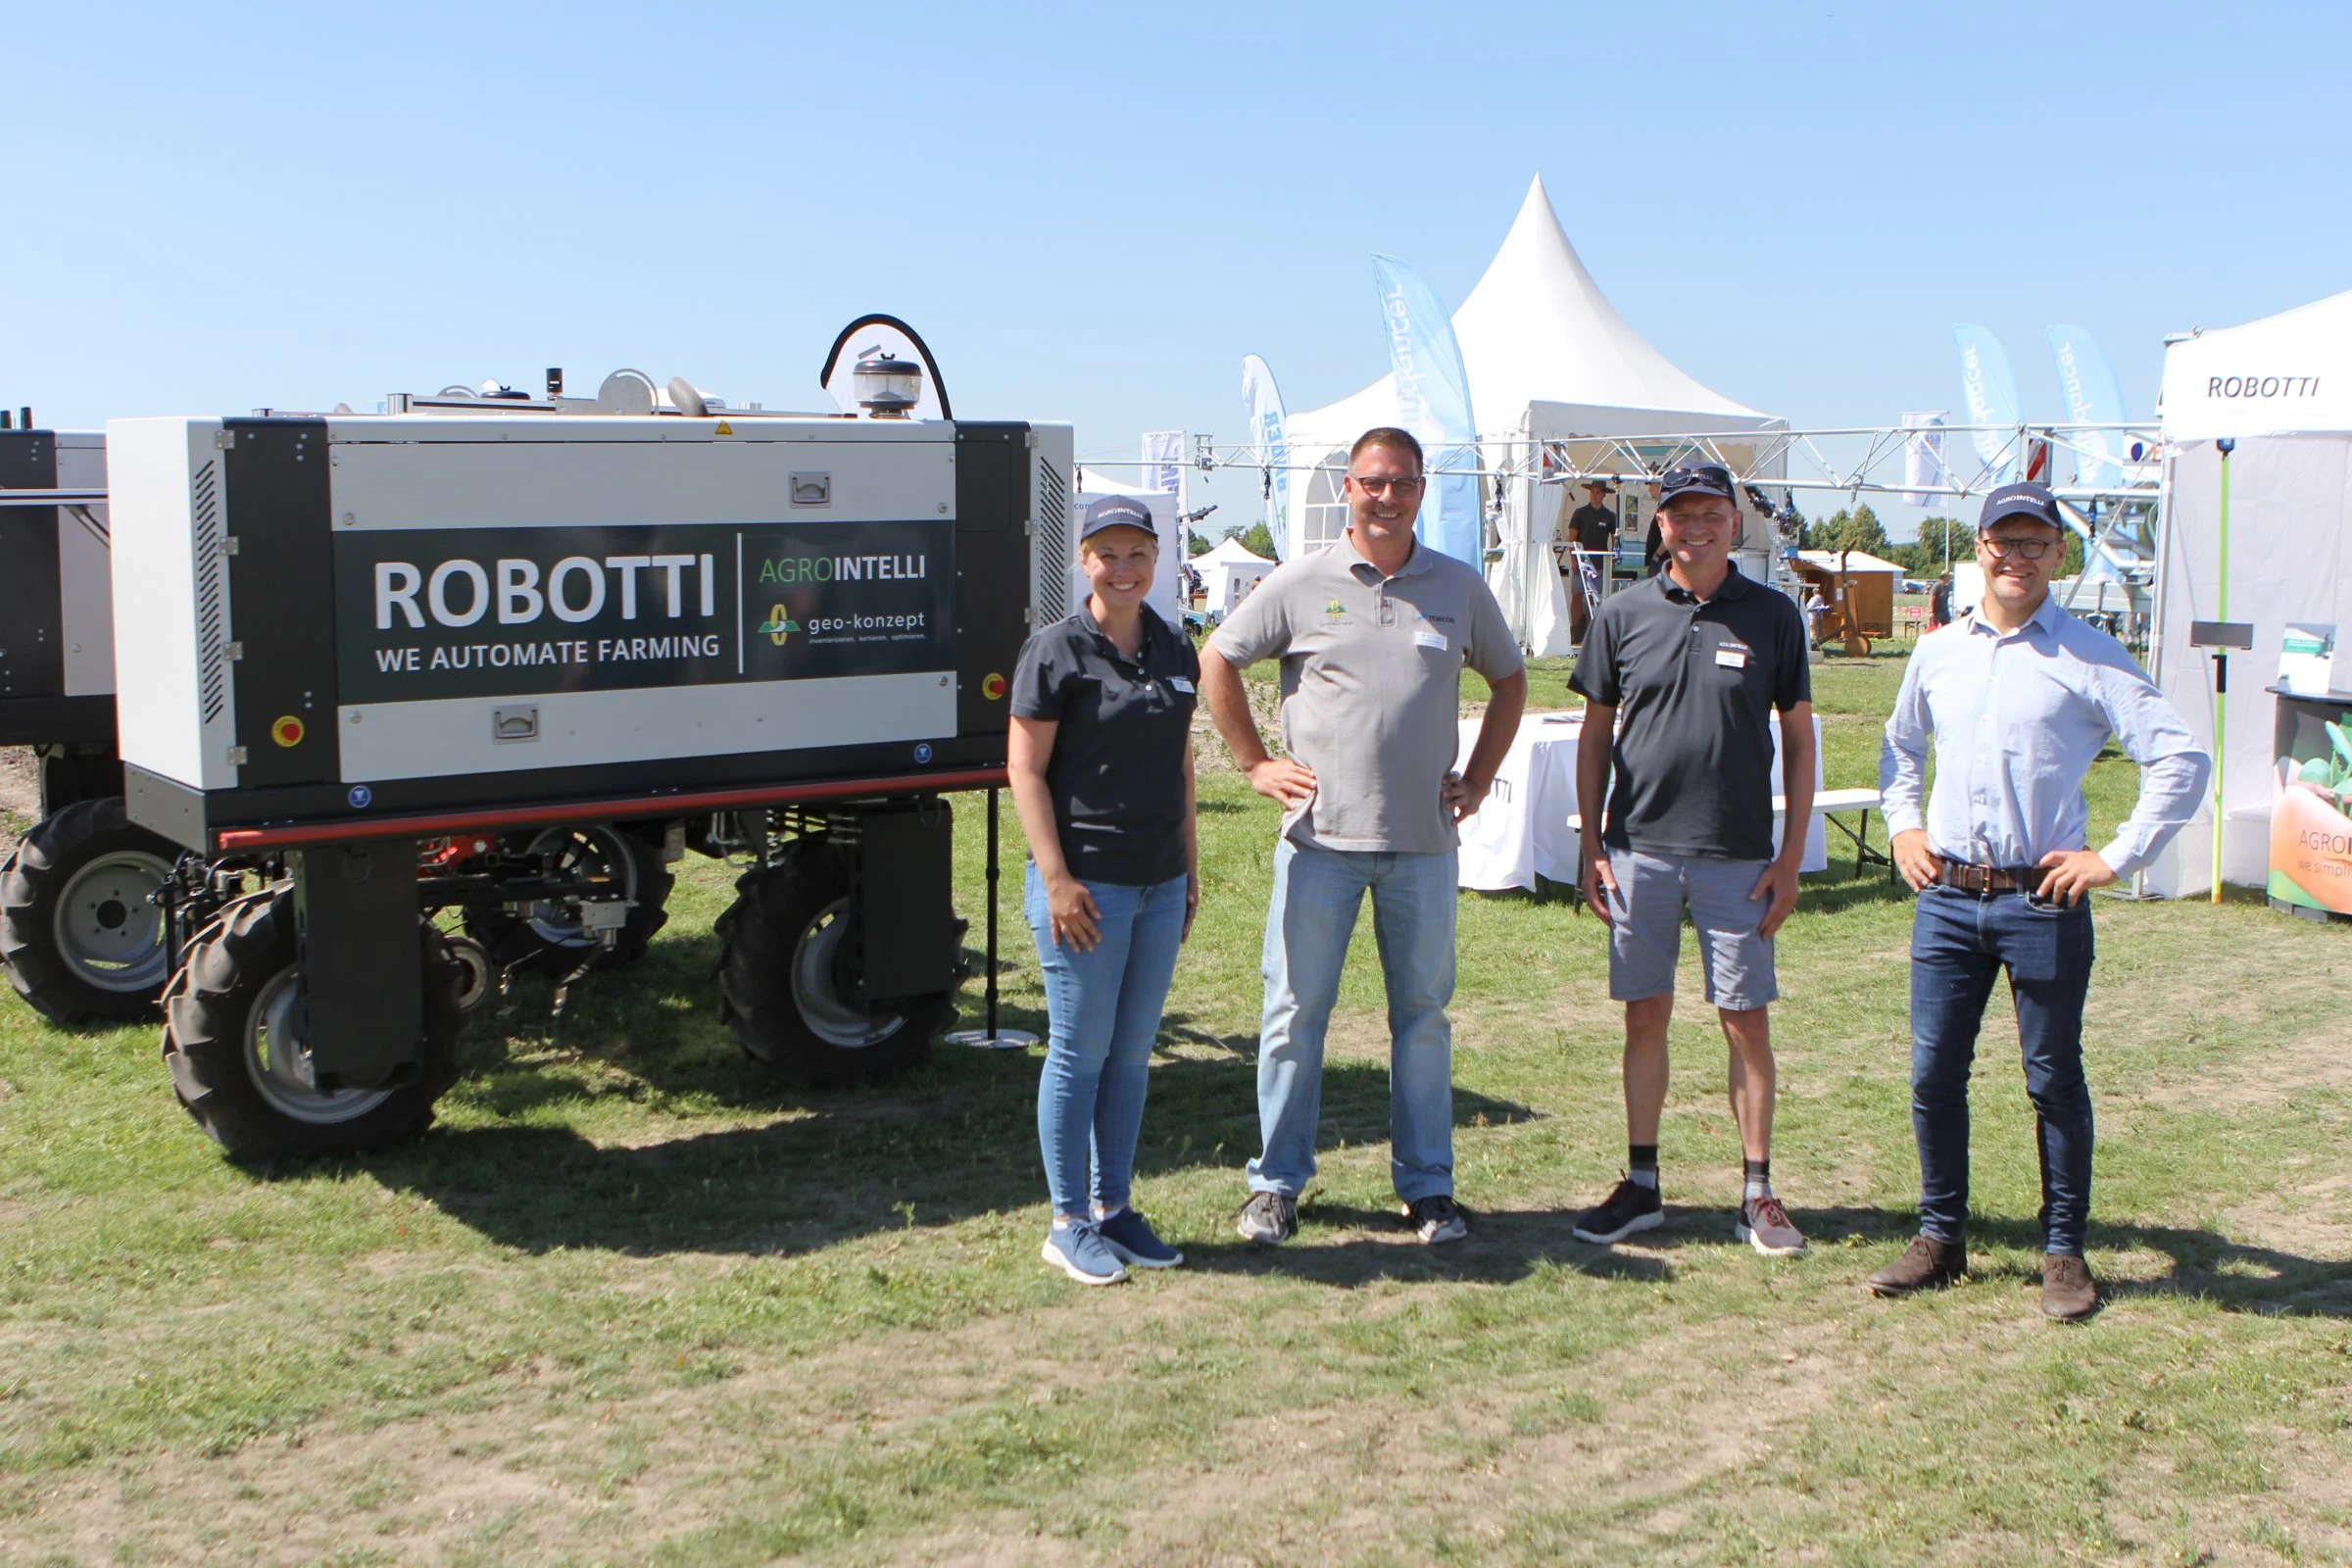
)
(1989, 392)
(2094, 396)
(1261, 405)
(1433, 402)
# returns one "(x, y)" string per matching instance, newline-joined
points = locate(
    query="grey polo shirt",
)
(1371, 686)
(1694, 683)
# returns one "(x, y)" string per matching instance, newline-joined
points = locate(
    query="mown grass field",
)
(633, 1301)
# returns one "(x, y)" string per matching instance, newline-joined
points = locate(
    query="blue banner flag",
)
(1433, 401)
(1261, 405)
(1988, 393)
(2092, 397)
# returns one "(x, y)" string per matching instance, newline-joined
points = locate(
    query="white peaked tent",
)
(1227, 572)
(2281, 389)
(1548, 359)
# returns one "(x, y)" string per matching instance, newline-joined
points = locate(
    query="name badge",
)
(1179, 683)
(1731, 656)
(1429, 637)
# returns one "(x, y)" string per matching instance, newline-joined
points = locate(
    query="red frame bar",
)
(433, 826)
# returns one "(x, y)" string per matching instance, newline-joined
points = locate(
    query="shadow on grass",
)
(955, 1140)
(1503, 1245)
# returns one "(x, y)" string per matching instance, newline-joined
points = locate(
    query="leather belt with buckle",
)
(1968, 878)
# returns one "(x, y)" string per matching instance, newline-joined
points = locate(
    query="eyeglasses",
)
(2025, 549)
(1403, 487)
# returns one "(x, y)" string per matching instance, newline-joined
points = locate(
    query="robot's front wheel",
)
(233, 1039)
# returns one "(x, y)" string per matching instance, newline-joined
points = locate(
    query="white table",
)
(1522, 831)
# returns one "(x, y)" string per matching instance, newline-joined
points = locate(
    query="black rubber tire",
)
(93, 837)
(511, 936)
(236, 966)
(779, 995)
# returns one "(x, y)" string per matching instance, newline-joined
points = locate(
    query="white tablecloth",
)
(1521, 830)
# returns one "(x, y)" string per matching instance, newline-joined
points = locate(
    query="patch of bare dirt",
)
(2305, 1219)
(2319, 1061)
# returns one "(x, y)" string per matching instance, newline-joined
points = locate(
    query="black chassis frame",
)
(296, 818)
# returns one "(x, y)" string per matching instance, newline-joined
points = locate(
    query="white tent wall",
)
(1166, 522)
(2291, 559)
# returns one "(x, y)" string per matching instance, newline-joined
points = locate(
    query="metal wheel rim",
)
(104, 927)
(474, 971)
(828, 1017)
(557, 921)
(274, 1063)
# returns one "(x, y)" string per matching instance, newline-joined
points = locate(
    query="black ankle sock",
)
(1642, 1163)
(1757, 1179)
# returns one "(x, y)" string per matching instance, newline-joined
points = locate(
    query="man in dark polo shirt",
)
(1592, 531)
(1694, 660)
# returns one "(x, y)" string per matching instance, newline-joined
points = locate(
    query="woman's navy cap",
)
(2020, 500)
(1115, 512)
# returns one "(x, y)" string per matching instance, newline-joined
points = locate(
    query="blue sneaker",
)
(1079, 1250)
(1129, 1235)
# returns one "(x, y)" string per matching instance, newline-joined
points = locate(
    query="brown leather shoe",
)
(2068, 1292)
(1926, 1264)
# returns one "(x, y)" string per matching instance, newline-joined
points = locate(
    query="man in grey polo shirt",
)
(1695, 658)
(1372, 632)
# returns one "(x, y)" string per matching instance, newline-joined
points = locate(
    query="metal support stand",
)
(2220, 675)
(992, 1038)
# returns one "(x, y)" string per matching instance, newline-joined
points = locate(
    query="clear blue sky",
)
(1093, 212)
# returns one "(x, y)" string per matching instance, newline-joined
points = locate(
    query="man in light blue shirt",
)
(2017, 698)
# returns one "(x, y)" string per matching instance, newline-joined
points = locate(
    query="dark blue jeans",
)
(1959, 942)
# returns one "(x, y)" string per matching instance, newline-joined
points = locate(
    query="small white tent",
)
(1227, 572)
(1548, 359)
(2281, 389)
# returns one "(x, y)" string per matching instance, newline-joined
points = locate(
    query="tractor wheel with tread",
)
(232, 1039)
(785, 983)
(80, 939)
(551, 931)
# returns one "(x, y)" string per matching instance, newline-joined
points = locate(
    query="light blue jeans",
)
(1317, 893)
(1103, 1013)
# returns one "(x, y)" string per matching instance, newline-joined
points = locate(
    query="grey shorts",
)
(1645, 930)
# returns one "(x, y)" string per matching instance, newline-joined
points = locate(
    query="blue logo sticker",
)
(361, 796)
(922, 751)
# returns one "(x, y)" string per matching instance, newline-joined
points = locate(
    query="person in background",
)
(1697, 660)
(1591, 533)
(1372, 633)
(1100, 761)
(1939, 602)
(2017, 701)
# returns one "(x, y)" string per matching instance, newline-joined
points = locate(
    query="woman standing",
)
(1101, 770)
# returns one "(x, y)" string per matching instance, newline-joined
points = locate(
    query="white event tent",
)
(1228, 570)
(2281, 389)
(1548, 359)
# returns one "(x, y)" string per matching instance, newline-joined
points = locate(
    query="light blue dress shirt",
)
(2017, 719)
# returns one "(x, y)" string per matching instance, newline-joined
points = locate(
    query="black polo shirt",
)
(1694, 685)
(1593, 527)
(1116, 774)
